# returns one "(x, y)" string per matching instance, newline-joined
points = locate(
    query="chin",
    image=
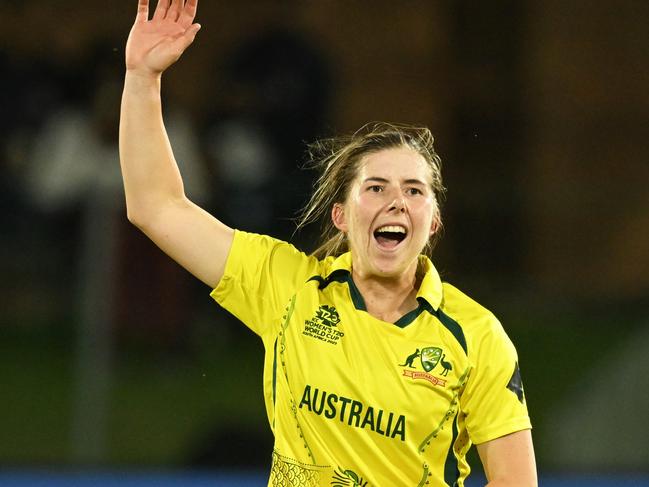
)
(390, 267)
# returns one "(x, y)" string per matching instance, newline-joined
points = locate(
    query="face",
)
(390, 213)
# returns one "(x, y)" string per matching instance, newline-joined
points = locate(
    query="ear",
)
(338, 217)
(436, 224)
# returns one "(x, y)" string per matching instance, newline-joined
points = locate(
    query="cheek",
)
(361, 209)
(419, 205)
(425, 212)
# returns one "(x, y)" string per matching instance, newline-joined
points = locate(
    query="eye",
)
(375, 188)
(414, 191)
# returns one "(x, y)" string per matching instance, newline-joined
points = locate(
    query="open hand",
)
(154, 45)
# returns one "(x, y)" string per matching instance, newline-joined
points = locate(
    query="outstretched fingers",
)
(189, 12)
(142, 11)
(175, 10)
(161, 10)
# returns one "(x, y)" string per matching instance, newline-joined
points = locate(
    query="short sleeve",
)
(261, 274)
(493, 401)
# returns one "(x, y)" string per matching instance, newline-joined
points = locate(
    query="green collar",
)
(429, 295)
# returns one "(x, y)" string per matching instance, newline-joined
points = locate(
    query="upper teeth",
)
(392, 229)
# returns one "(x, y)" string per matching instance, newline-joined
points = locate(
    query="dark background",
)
(111, 356)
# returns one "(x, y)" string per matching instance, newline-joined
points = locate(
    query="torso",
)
(356, 400)
(347, 382)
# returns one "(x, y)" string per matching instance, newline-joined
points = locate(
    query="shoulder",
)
(269, 252)
(261, 274)
(459, 304)
(245, 242)
(477, 322)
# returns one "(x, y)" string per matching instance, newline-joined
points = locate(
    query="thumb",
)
(185, 40)
(190, 33)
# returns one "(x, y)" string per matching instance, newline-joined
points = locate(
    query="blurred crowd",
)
(239, 159)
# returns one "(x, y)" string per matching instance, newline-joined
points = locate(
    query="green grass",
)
(557, 351)
(159, 406)
(36, 401)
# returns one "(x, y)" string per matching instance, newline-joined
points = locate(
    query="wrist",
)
(142, 80)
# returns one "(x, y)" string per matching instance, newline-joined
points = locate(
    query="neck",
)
(389, 298)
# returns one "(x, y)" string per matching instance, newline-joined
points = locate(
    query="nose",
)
(398, 205)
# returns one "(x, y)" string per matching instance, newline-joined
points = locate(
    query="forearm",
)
(149, 170)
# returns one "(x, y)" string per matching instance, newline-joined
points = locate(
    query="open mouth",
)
(390, 236)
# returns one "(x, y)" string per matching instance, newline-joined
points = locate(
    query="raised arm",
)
(155, 198)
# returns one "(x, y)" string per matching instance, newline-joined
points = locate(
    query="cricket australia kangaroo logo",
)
(323, 325)
(429, 358)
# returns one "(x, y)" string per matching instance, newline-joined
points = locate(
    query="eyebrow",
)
(376, 179)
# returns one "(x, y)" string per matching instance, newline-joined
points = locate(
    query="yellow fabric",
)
(351, 398)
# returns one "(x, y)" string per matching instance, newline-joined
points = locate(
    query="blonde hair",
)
(338, 161)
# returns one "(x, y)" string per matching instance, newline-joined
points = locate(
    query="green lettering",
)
(331, 401)
(315, 401)
(369, 418)
(306, 397)
(387, 430)
(355, 413)
(320, 402)
(345, 401)
(400, 428)
(379, 417)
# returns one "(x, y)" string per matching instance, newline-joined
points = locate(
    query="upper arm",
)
(509, 460)
(191, 236)
(493, 399)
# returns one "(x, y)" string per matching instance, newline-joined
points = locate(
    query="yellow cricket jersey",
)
(353, 400)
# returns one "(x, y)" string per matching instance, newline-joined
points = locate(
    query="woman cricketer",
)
(376, 372)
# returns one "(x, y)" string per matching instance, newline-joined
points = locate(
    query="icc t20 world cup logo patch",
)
(324, 325)
(327, 315)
